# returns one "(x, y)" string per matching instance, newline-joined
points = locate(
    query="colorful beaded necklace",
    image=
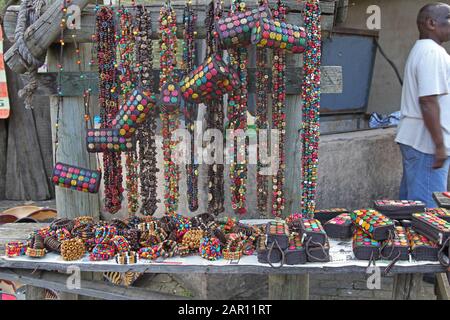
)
(311, 104)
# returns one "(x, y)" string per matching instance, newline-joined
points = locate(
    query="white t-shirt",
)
(427, 73)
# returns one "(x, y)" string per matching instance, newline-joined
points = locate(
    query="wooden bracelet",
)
(129, 257)
(35, 253)
(72, 249)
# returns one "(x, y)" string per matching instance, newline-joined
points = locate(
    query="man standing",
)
(424, 128)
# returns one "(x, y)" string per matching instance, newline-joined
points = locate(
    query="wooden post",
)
(442, 286)
(289, 287)
(39, 36)
(34, 293)
(407, 286)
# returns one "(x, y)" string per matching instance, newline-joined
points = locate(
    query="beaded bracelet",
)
(101, 252)
(104, 234)
(184, 250)
(150, 253)
(72, 249)
(210, 249)
(84, 231)
(63, 234)
(35, 253)
(83, 221)
(44, 232)
(62, 223)
(52, 244)
(129, 257)
(121, 244)
(147, 226)
(15, 248)
(36, 242)
(192, 239)
(233, 249)
(167, 248)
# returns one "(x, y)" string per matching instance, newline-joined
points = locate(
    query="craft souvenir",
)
(274, 34)
(396, 248)
(422, 249)
(339, 227)
(313, 232)
(364, 247)
(76, 178)
(133, 113)
(278, 233)
(170, 98)
(269, 254)
(441, 213)
(72, 249)
(373, 223)
(432, 227)
(103, 140)
(233, 249)
(320, 253)
(102, 252)
(442, 199)
(399, 209)
(52, 244)
(15, 249)
(35, 247)
(211, 80)
(328, 214)
(235, 30)
(295, 253)
(129, 257)
(210, 249)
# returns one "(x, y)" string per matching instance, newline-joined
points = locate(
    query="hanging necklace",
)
(262, 87)
(146, 133)
(311, 106)
(237, 117)
(108, 100)
(278, 116)
(189, 19)
(127, 82)
(170, 121)
(215, 116)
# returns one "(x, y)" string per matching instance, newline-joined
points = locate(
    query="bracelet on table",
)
(45, 232)
(104, 234)
(184, 250)
(63, 234)
(193, 238)
(233, 249)
(146, 226)
(15, 248)
(35, 253)
(129, 257)
(167, 248)
(72, 249)
(149, 253)
(121, 244)
(84, 231)
(36, 242)
(79, 221)
(102, 251)
(62, 223)
(210, 249)
(248, 248)
(52, 244)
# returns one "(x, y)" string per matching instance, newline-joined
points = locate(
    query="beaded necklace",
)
(170, 122)
(215, 116)
(311, 105)
(189, 20)
(127, 80)
(237, 117)
(278, 115)
(146, 134)
(262, 87)
(108, 100)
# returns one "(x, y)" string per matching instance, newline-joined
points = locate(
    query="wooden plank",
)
(88, 19)
(442, 287)
(97, 289)
(342, 11)
(289, 287)
(72, 85)
(407, 286)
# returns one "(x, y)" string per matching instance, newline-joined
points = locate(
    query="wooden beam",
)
(407, 286)
(97, 289)
(84, 34)
(289, 287)
(72, 85)
(442, 287)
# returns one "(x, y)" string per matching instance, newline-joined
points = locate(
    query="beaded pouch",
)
(422, 249)
(133, 113)
(76, 178)
(313, 231)
(274, 34)
(320, 253)
(295, 253)
(374, 224)
(364, 247)
(170, 98)
(339, 227)
(442, 200)
(277, 232)
(396, 248)
(236, 30)
(211, 80)
(107, 139)
(399, 209)
(268, 254)
(431, 226)
(441, 213)
(328, 214)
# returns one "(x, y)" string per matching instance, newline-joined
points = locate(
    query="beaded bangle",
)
(52, 244)
(35, 253)
(62, 223)
(146, 226)
(44, 232)
(83, 231)
(150, 253)
(15, 248)
(72, 249)
(192, 239)
(36, 242)
(130, 257)
(104, 234)
(233, 249)
(63, 234)
(210, 249)
(83, 220)
(167, 248)
(102, 251)
(121, 244)
(184, 250)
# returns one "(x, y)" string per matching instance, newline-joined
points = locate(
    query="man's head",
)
(433, 22)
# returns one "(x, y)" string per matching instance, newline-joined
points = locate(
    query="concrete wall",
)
(397, 35)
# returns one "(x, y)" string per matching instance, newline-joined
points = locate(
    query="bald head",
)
(433, 21)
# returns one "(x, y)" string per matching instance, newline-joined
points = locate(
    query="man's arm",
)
(431, 116)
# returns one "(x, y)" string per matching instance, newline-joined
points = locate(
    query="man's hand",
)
(440, 157)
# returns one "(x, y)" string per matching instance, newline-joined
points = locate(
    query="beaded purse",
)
(441, 213)
(399, 209)
(396, 248)
(328, 214)
(312, 231)
(170, 98)
(295, 253)
(274, 34)
(236, 30)
(373, 223)
(320, 253)
(277, 233)
(364, 247)
(339, 227)
(211, 80)
(108, 139)
(422, 249)
(431, 226)
(267, 254)
(76, 178)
